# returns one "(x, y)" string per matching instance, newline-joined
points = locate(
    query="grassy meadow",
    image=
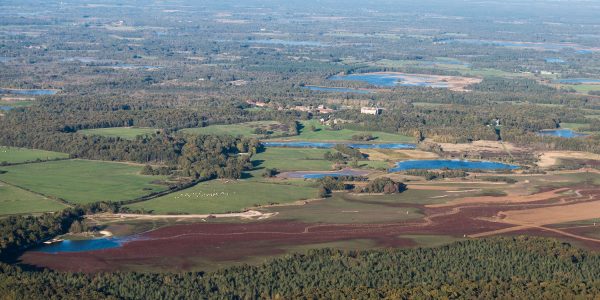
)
(242, 129)
(324, 133)
(129, 133)
(83, 181)
(222, 196)
(14, 200)
(19, 155)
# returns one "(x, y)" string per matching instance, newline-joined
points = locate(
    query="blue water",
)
(82, 245)
(332, 174)
(332, 145)
(318, 175)
(336, 89)
(5, 108)
(578, 80)
(130, 66)
(81, 59)
(546, 46)
(286, 42)
(450, 164)
(564, 133)
(391, 80)
(28, 92)
(555, 60)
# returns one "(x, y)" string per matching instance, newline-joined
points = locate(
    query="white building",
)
(371, 110)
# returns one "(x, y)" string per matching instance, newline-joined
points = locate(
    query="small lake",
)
(564, 133)
(336, 89)
(82, 245)
(526, 45)
(332, 145)
(555, 60)
(32, 92)
(6, 108)
(84, 60)
(436, 164)
(393, 79)
(578, 81)
(322, 174)
(131, 67)
(286, 42)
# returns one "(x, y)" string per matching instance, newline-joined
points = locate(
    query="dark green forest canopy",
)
(519, 267)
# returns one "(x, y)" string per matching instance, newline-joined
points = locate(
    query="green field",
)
(220, 196)
(16, 104)
(14, 200)
(293, 159)
(83, 181)
(583, 88)
(324, 133)
(19, 155)
(242, 129)
(573, 126)
(129, 133)
(346, 208)
(443, 64)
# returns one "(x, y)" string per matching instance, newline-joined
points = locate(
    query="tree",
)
(384, 185)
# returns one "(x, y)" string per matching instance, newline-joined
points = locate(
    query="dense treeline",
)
(522, 268)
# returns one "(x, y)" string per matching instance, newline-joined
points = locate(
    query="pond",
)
(286, 42)
(517, 44)
(82, 245)
(578, 81)
(81, 59)
(6, 108)
(436, 164)
(336, 89)
(394, 79)
(322, 174)
(555, 60)
(321, 145)
(131, 67)
(564, 133)
(32, 92)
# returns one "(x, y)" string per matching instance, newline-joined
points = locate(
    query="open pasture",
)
(344, 220)
(242, 129)
(222, 196)
(292, 159)
(83, 181)
(14, 155)
(325, 133)
(14, 200)
(128, 133)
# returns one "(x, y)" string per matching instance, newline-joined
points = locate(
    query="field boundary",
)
(51, 198)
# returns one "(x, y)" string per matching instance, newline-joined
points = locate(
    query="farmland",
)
(324, 133)
(83, 181)
(428, 214)
(14, 155)
(292, 159)
(129, 133)
(14, 200)
(243, 129)
(226, 196)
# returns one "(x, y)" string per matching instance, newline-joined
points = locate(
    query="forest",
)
(520, 267)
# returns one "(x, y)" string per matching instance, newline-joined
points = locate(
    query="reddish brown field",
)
(201, 245)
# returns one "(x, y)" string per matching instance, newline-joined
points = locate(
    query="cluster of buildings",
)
(320, 109)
